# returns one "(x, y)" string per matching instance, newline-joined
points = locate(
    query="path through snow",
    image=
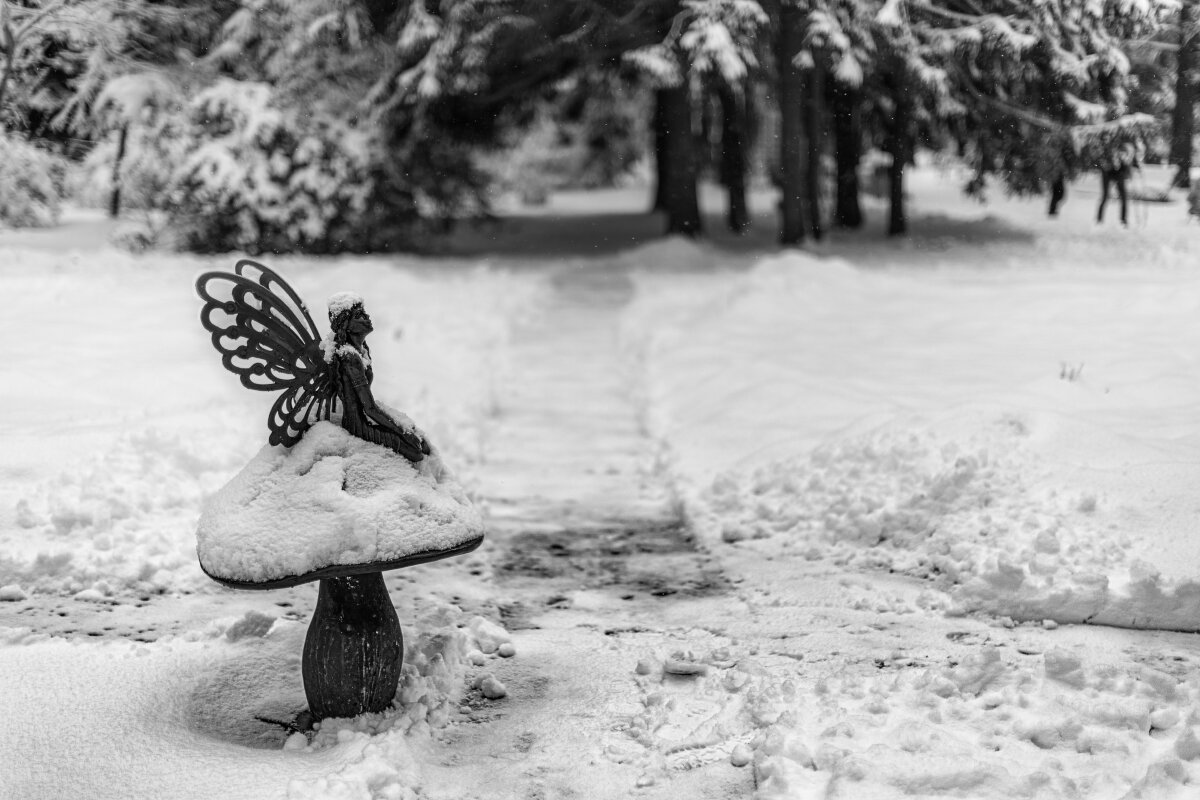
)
(581, 528)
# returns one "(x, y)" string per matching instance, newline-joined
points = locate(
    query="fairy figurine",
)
(354, 649)
(265, 336)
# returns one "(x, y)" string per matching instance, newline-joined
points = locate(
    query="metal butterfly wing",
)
(265, 336)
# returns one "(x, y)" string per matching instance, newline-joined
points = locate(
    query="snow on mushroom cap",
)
(332, 499)
(343, 301)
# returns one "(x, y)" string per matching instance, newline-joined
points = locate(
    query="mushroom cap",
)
(332, 505)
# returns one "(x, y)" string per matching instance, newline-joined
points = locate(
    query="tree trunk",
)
(733, 153)
(789, 39)
(707, 132)
(1058, 193)
(900, 147)
(6, 76)
(662, 163)
(114, 199)
(897, 221)
(1183, 115)
(814, 124)
(847, 145)
(680, 195)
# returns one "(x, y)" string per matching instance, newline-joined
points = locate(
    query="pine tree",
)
(125, 102)
(1054, 75)
(710, 44)
(1187, 62)
(1027, 91)
(57, 55)
(842, 46)
(788, 21)
(882, 87)
(722, 37)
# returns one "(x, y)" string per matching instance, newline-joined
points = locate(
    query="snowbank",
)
(1013, 436)
(119, 522)
(993, 726)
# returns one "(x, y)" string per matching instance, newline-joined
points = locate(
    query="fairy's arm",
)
(355, 377)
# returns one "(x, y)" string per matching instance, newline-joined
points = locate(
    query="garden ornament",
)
(346, 488)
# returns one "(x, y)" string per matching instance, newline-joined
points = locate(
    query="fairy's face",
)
(360, 322)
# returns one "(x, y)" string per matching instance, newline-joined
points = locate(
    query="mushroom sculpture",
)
(345, 489)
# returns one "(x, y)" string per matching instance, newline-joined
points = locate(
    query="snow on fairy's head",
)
(342, 307)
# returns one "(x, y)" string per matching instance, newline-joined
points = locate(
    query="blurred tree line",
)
(369, 125)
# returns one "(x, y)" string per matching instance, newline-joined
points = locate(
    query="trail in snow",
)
(574, 500)
(580, 528)
(566, 450)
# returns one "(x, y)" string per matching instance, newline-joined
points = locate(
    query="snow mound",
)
(673, 253)
(973, 513)
(918, 733)
(332, 499)
(381, 761)
(940, 424)
(201, 716)
(121, 521)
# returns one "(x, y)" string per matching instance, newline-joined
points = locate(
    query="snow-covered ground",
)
(939, 534)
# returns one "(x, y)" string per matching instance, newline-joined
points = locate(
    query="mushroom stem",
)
(354, 648)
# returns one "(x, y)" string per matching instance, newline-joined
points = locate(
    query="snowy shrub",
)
(138, 121)
(422, 195)
(152, 150)
(137, 236)
(31, 184)
(533, 166)
(257, 177)
(583, 143)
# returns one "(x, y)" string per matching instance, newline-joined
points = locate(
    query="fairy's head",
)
(347, 317)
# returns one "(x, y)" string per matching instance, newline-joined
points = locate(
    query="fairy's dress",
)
(352, 376)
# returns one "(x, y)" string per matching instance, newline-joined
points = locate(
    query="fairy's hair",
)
(340, 317)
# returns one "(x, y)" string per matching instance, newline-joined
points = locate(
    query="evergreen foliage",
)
(1025, 91)
(258, 178)
(328, 125)
(31, 184)
(589, 133)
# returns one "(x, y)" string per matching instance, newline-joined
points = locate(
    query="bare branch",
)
(42, 13)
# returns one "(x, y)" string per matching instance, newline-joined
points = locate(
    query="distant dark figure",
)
(1193, 201)
(1118, 175)
(1058, 193)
